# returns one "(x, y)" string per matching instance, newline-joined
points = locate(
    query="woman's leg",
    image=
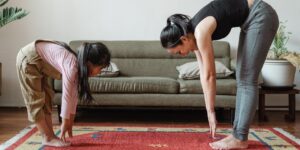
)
(257, 36)
(255, 39)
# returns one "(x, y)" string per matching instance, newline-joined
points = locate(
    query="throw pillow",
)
(110, 71)
(191, 70)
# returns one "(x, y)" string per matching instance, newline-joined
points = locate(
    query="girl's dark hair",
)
(96, 53)
(177, 26)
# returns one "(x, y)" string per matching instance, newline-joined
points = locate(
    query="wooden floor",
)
(12, 120)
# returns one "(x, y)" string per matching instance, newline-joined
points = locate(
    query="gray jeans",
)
(256, 37)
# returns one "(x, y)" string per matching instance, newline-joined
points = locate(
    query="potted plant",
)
(280, 66)
(9, 14)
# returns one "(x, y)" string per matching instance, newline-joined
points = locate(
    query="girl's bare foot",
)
(56, 142)
(230, 142)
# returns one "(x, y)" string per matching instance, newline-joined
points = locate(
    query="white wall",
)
(109, 20)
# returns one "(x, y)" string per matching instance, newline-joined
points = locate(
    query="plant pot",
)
(278, 73)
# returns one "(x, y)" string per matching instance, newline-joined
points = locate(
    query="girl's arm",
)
(69, 96)
(205, 58)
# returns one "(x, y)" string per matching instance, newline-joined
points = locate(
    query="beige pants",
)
(35, 88)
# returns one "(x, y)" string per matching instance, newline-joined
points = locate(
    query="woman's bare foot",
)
(230, 142)
(56, 142)
(229, 137)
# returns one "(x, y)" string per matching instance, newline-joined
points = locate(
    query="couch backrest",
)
(148, 58)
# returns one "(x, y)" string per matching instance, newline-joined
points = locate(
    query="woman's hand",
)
(212, 123)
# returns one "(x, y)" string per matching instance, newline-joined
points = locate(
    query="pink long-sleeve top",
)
(66, 63)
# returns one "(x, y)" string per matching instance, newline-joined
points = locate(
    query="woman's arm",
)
(205, 58)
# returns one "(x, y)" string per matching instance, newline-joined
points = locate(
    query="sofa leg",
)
(58, 113)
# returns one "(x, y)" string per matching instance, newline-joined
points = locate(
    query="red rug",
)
(105, 137)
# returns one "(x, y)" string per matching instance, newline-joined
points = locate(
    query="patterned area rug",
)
(98, 136)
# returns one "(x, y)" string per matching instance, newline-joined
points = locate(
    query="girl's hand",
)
(70, 129)
(64, 128)
(212, 123)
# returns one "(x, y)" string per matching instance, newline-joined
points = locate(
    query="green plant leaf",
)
(280, 40)
(3, 2)
(10, 14)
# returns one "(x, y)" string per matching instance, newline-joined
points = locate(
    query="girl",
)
(44, 58)
(258, 22)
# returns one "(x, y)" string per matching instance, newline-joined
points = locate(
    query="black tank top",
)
(228, 14)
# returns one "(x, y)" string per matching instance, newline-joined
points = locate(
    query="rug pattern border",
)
(17, 139)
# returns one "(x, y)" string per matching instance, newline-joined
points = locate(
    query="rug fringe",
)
(289, 135)
(16, 137)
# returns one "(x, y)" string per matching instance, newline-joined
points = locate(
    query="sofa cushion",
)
(150, 100)
(224, 86)
(130, 85)
(191, 70)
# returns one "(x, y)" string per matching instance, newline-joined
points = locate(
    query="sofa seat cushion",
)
(130, 85)
(224, 86)
(149, 100)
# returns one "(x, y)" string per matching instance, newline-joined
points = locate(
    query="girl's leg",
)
(32, 89)
(48, 104)
(48, 119)
(43, 127)
(46, 126)
(47, 110)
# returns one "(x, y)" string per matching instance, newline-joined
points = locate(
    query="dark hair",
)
(96, 53)
(177, 26)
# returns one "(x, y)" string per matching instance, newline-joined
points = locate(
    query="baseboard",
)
(12, 107)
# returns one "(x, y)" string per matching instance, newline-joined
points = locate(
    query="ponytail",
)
(84, 88)
(180, 20)
(97, 54)
(177, 25)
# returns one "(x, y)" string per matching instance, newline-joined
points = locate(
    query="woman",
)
(258, 22)
(42, 59)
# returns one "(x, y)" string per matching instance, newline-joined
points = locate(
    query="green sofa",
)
(148, 78)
